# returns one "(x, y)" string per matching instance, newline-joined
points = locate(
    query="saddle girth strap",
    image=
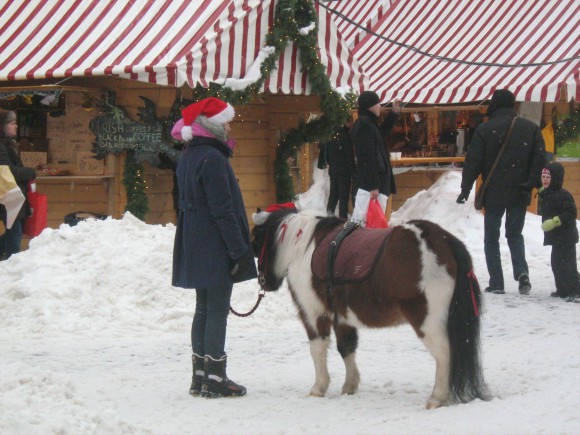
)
(347, 229)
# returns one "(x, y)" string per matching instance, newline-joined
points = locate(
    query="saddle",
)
(356, 254)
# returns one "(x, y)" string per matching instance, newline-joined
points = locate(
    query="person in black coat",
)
(9, 155)
(212, 239)
(338, 155)
(373, 164)
(510, 185)
(560, 231)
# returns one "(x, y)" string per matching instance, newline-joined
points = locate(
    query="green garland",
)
(135, 186)
(568, 129)
(290, 17)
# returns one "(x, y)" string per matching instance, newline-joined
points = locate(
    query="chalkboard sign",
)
(114, 136)
(115, 133)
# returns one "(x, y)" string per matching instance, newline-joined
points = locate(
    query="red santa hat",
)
(214, 109)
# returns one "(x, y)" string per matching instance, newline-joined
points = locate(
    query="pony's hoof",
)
(316, 394)
(349, 390)
(432, 404)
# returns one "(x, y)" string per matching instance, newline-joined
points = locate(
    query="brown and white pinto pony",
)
(423, 277)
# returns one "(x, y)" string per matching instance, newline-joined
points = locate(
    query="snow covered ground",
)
(95, 340)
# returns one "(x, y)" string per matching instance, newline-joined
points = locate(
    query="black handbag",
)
(74, 218)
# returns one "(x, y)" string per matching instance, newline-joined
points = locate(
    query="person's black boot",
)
(524, 284)
(215, 382)
(198, 372)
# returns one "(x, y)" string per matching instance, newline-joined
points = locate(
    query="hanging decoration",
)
(295, 21)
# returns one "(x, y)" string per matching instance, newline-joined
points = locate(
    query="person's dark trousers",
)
(353, 189)
(208, 330)
(515, 219)
(10, 240)
(339, 193)
(565, 270)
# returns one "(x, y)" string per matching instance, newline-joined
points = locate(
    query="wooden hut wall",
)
(257, 128)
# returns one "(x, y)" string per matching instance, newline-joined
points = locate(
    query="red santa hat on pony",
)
(214, 109)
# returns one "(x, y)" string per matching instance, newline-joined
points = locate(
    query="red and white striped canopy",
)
(354, 16)
(168, 42)
(342, 69)
(453, 51)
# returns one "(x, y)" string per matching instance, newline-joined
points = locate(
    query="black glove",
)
(240, 266)
(526, 186)
(463, 197)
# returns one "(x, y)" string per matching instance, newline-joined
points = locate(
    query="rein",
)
(261, 294)
(261, 281)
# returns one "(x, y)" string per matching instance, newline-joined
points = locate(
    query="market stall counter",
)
(414, 174)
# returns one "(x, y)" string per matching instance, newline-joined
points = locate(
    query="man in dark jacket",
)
(374, 171)
(510, 185)
(338, 155)
(559, 215)
(9, 155)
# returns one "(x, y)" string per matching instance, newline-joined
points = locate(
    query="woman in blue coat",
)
(212, 240)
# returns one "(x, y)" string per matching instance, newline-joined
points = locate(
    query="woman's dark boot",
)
(198, 371)
(215, 381)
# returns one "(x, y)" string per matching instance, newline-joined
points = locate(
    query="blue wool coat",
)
(212, 227)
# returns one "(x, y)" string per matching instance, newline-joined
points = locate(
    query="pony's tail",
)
(466, 381)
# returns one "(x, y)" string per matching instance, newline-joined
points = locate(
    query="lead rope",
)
(261, 294)
(261, 280)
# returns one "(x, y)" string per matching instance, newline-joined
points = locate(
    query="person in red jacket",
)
(10, 155)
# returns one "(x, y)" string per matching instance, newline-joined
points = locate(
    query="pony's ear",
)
(260, 217)
(258, 210)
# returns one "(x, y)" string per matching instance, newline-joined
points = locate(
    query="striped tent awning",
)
(354, 16)
(168, 42)
(453, 51)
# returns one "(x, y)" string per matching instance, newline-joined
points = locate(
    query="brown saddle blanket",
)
(356, 257)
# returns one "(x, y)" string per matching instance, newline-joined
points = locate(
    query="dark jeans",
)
(565, 270)
(10, 240)
(208, 330)
(514, 224)
(339, 194)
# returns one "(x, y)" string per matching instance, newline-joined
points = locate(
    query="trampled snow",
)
(95, 340)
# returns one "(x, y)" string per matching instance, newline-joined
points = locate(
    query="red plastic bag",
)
(376, 216)
(35, 223)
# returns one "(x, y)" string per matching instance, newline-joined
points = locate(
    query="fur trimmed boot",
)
(198, 372)
(215, 382)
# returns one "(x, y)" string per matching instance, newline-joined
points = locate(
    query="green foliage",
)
(135, 186)
(568, 128)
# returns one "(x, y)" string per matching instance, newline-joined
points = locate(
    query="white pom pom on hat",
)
(214, 109)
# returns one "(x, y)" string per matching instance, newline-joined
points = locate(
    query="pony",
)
(422, 275)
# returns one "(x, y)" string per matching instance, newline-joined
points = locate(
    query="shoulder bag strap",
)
(502, 149)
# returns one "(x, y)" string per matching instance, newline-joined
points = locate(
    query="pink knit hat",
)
(214, 109)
